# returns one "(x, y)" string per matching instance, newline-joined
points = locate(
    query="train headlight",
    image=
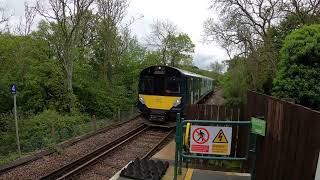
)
(178, 101)
(141, 99)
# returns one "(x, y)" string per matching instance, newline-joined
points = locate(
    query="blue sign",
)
(13, 89)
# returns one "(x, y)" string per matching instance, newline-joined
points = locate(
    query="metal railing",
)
(182, 155)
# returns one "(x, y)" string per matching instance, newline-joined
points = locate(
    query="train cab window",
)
(172, 86)
(146, 85)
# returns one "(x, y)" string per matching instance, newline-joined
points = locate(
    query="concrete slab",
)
(198, 174)
(167, 153)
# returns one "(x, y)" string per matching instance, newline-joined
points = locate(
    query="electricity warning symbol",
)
(220, 138)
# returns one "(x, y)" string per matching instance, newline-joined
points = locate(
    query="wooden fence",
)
(213, 112)
(290, 149)
(292, 142)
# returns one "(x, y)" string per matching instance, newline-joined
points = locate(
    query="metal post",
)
(132, 110)
(180, 146)
(177, 146)
(16, 122)
(119, 114)
(253, 170)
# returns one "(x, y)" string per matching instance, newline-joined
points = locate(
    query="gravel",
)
(217, 98)
(115, 161)
(47, 164)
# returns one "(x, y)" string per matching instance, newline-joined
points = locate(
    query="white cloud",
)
(189, 15)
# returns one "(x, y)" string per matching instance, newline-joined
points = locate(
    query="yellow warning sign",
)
(220, 138)
(220, 144)
(222, 149)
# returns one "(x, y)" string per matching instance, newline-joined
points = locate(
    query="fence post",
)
(218, 113)
(180, 145)
(94, 122)
(53, 134)
(231, 114)
(119, 114)
(176, 163)
(205, 112)
(131, 110)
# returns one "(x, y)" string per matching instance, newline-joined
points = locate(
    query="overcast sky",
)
(188, 15)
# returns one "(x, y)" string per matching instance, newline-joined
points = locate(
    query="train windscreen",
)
(157, 85)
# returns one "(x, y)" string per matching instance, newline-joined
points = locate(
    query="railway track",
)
(65, 145)
(120, 151)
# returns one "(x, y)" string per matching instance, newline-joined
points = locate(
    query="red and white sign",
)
(200, 148)
(200, 135)
(211, 140)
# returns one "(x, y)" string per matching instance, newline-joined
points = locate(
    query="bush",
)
(36, 131)
(234, 83)
(299, 68)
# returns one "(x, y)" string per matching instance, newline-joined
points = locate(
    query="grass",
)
(11, 157)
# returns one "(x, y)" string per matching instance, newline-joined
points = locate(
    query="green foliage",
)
(36, 132)
(180, 48)
(101, 64)
(299, 68)
(10, 157)
(234, 83)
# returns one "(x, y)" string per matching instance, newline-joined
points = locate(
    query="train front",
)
(160, 93)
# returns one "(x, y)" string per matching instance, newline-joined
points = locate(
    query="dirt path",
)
(217, 98)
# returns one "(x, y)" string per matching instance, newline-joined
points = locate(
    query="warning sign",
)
(220, 138)
(220, 144)
(200, 135)
(210, 140)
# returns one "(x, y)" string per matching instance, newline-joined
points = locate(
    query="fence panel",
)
(292, 142)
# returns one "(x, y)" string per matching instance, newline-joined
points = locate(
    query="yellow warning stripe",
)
(186, 138)
(188, 174)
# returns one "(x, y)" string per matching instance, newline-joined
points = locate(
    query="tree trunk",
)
(69, 84)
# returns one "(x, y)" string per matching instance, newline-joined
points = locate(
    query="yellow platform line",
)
(188, 174)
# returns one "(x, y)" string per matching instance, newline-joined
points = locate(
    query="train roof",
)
(184, 72)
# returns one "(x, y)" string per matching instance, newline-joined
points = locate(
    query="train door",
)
(196, 89)
(191, 90)
(199, 88)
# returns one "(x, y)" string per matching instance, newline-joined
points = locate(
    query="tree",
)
(217, 67)
(234, 82)
(180, 48)
(65, 18)
(243, 25)
(174, 47)
(305, 11)
(4, 18)
(299, 68)
(159, 38)
(110, 14)
(26, 22)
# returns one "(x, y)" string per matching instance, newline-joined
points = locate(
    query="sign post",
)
(14, 93)
(258, 128)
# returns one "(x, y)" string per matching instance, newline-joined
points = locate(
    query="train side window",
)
(172, 85)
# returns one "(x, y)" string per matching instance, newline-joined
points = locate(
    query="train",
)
(164, 91)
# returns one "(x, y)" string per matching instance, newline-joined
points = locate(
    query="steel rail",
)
(90, 158)
(155, 147)
(67, 143)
